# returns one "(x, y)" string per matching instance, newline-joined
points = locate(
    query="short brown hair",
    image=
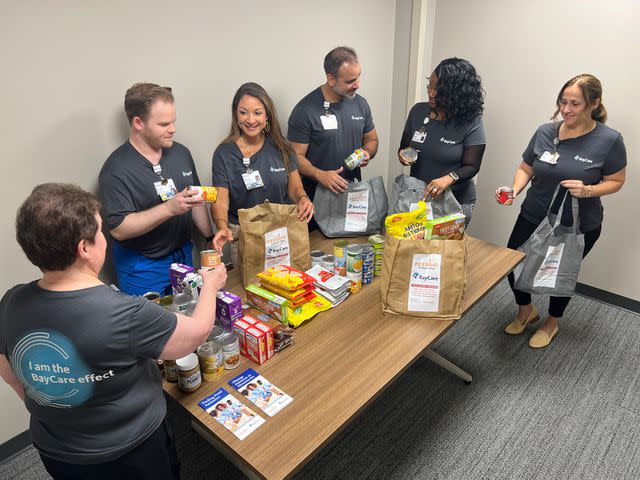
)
(140, 98)
(591, 91)
(52, 221)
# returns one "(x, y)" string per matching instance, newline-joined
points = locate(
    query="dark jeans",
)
(153, 459)
(522, 230)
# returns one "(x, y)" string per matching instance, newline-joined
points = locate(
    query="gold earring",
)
(267, 127)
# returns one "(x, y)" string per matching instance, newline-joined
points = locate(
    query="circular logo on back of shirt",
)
(51, 370)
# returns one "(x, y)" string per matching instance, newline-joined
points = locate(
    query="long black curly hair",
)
(459, 90)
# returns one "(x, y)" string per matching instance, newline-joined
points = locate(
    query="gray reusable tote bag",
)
(408, 191)
(554, 254)
(360, 210)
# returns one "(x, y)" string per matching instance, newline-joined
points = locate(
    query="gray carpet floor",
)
(569, 411)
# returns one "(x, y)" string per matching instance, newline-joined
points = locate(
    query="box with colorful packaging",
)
(228, 309)
(268, 302)
(177, 273)
(258, 343)
(240, 330)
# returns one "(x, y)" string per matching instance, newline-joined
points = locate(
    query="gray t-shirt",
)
(328, 148)
(228, 169)
(127, 186)
(587, 158)
(85, 359)
(440, 151)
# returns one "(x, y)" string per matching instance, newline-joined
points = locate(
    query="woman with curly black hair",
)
(447, 133)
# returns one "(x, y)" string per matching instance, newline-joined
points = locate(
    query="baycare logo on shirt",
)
(187, 174)
(277, 170)
(448, 142)
(52, 371)
(582, 159)
(354, 117)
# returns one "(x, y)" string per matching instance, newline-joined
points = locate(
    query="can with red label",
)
(505, 195)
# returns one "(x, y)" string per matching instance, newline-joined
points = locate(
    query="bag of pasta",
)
(408, 225)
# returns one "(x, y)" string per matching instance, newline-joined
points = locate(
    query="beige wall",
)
(66, 66)
(525, 51)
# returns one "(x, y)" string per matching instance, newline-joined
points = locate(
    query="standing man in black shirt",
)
(144, 187)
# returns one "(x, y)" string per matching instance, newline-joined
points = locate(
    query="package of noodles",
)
(307, 310)
(408, 225)
(285, 277)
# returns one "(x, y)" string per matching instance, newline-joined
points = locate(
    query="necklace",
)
(249, 153)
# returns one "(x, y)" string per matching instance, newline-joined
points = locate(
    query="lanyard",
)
(246, 161)
(556, 140)
(326, 106)
(157, 169)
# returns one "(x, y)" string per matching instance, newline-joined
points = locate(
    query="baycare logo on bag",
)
(426, 270)
(358, 200)
(429, 278)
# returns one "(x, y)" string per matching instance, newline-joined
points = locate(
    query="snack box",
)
(253, 315)
(240, 330)
(268, 302)
(450, 227)
(258, 338)
(177, 273)
(228, 305)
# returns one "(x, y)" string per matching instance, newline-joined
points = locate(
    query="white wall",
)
(525, 51)
(66, 66)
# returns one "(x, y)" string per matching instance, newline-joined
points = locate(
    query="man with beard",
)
(332, 121)
(144, 184)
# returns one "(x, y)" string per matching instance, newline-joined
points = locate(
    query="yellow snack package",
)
(285, 278)
(411, 225)
(307, 310)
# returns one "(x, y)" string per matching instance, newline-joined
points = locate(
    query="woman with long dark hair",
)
(253, 164)
(585, 157)
(447, 132)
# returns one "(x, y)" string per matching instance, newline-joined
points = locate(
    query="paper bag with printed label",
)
(554, 254)
(271, 234)
(360, 210)
(423, 278)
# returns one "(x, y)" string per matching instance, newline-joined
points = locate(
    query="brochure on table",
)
(231, 413)
(261, 392)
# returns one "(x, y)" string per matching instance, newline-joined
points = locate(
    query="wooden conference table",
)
(341, 360)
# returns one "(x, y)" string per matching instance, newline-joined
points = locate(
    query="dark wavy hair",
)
(459, 90)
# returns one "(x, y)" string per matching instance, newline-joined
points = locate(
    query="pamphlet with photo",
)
(260, 391)
(232, 414)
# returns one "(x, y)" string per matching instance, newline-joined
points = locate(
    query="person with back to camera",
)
(253, 164)
(448, 133)
(80, 354)
(585, 157)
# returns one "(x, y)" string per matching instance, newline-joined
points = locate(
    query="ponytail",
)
(599, 113)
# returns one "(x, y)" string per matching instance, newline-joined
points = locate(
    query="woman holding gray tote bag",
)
(584, 156)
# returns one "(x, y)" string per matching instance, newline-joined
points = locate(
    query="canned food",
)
(217, 332)
(354, 259)
(170, 370)
(356, 281)
(211, 360)
(328, 262)
(231, 349)
(153, 296)
(355, 159)
(182, 301)
(340, 257)
(409, 154)
(316, 257)
(505, 195)
(210, 258)
(207, 194)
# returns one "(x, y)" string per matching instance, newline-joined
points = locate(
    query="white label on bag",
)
(413, 206)
(424, 284)
(547, 275)
(357, 211)
(429, 210)
(276, 248)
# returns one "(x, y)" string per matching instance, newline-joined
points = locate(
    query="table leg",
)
(250, 474)
(446, 364)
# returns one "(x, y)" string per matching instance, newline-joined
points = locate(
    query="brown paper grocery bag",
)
(423, 278)
(271, 234)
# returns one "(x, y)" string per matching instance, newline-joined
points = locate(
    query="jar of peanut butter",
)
(189, 377)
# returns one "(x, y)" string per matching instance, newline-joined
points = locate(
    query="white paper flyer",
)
(276, 248)
(357, 211)
(229, 412)
(269, 398)
(424, 284)
(547, 274)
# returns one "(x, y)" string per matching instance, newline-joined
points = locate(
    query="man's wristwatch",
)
(455, 176)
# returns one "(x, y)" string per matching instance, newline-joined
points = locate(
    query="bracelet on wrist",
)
(220, 220)
(300, 197)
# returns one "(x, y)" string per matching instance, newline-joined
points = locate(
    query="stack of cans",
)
(368, 263)
(377, 242)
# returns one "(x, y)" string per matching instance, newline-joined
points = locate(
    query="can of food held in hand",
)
(409, 155)
(505, 195)
(210, 258)
(207, 194)
(355, 159)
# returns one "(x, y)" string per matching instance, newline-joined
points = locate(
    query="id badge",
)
(329, 122)
(550, 158)
(166, 190)
(419, 136)
(252, 180)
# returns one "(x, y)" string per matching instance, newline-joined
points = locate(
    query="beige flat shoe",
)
(541, 339)
(516, 327)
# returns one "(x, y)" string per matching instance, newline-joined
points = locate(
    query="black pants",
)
(153, 459)
(522, 230)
